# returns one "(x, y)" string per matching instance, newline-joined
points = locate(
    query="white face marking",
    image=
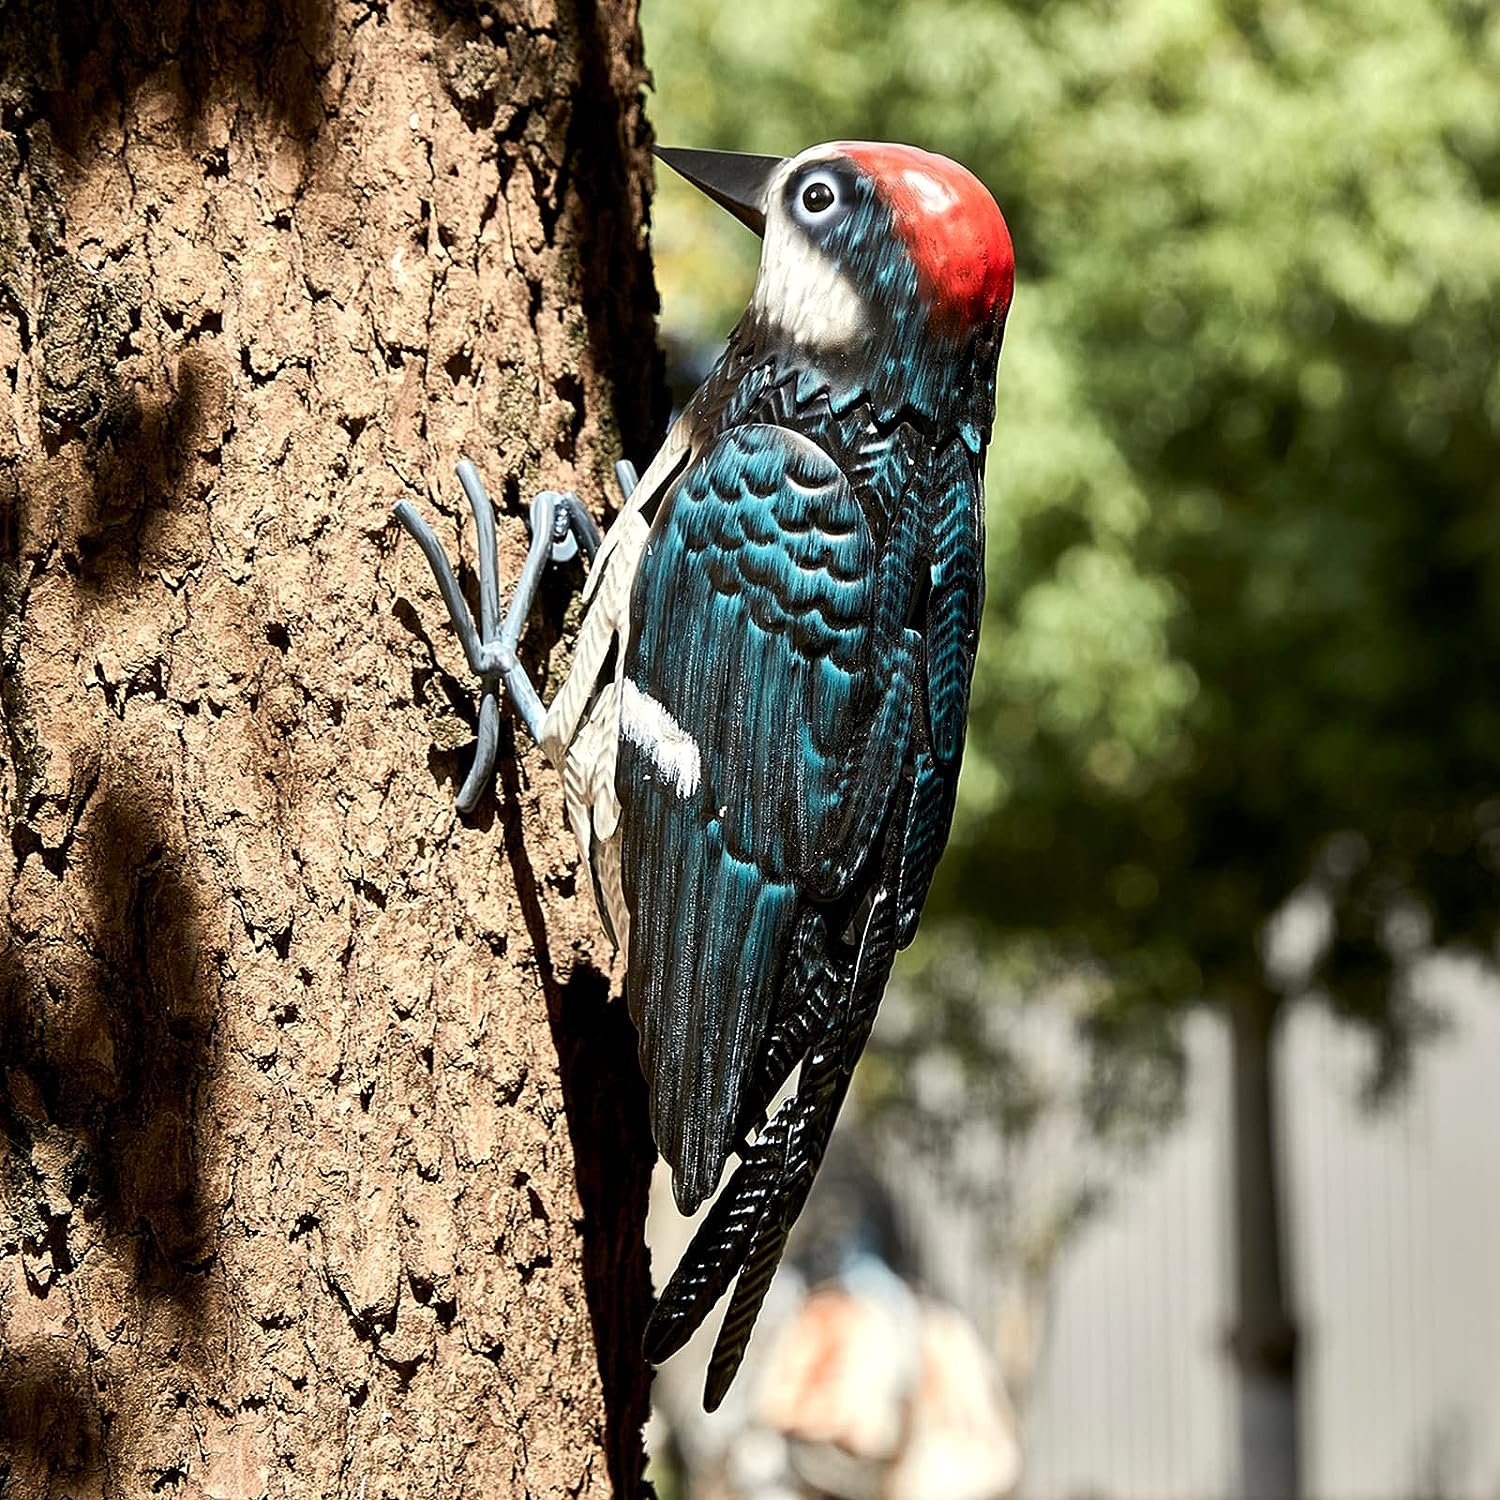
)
(673, 751)
(799, 290)
(936, 197)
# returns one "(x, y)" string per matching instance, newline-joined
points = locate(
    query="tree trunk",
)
(323, 1155)
(1265, 1339)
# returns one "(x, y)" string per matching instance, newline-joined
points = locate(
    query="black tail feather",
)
(719, 1247)
(746, 1230)
(810, 1118)
(826, 1074)
(744, 1308)
(811, 991)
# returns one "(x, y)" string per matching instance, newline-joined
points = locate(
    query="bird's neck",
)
(940, 385)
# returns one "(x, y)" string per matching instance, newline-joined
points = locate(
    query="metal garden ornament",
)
(760, 735)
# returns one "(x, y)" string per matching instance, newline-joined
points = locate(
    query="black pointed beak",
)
(733, 179)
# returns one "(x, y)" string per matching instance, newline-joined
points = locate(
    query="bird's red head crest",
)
(954, 231)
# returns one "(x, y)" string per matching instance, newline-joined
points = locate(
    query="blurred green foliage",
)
(1243, 626)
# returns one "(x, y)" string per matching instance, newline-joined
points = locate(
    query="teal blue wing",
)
(747, 695)
(875, 843)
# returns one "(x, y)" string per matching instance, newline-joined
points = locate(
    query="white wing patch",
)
(648, 726)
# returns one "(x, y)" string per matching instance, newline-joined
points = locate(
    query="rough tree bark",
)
(323, 1158)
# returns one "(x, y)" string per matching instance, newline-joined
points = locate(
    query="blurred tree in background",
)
(1244, 595)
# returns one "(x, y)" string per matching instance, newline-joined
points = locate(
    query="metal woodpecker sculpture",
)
(760, 735)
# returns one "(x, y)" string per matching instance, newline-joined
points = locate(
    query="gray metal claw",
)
(559, 527)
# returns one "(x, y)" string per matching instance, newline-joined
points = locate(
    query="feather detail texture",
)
(761, 734)
(751, 628)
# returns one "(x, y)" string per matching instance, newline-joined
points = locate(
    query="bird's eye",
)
(819, 201)
(817, 196)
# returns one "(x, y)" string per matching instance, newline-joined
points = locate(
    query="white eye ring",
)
(817, 199)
